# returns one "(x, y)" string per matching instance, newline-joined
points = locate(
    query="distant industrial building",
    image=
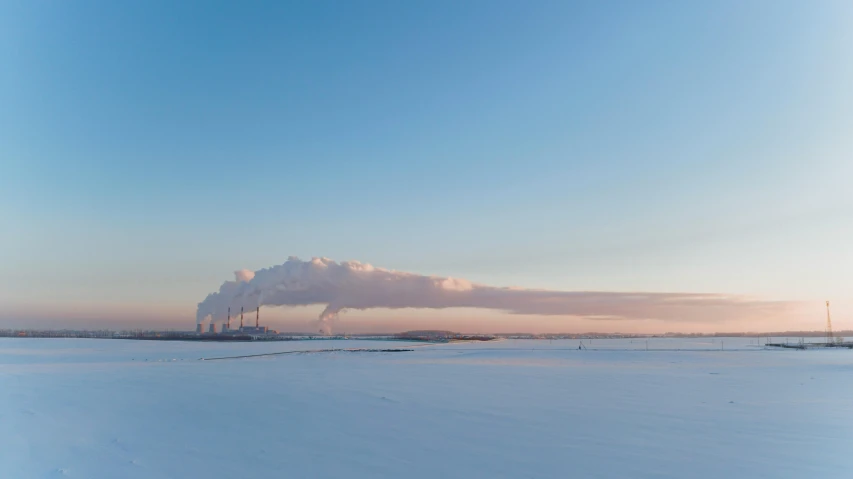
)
(255, 330)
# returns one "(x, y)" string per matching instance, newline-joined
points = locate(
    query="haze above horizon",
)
(151, 149)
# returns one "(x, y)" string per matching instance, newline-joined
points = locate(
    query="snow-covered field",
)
(693, 408)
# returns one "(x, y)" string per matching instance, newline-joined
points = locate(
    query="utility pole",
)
(828, 326)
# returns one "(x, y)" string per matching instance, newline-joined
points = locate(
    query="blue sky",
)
(149, 149)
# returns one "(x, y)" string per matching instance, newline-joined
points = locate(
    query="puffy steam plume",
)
(355, 285)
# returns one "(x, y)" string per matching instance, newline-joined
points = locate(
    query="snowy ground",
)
(138, 409)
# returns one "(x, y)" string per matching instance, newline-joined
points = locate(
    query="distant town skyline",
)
(151, 149)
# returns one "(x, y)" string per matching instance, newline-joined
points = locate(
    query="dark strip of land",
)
(356, 350)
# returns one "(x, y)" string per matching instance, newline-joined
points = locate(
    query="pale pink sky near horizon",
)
(83, 312)
(808, 316)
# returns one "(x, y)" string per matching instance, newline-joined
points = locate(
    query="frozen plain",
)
(138, 409)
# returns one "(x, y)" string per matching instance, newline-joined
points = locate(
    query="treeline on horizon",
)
(107, 333)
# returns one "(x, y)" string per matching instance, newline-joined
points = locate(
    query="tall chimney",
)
(228, 324)
(198, 328)
(241, 317)
(257, 316)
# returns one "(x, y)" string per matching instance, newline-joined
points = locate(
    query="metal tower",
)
(829, 338)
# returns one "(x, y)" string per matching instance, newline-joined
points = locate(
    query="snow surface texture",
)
(138, 409)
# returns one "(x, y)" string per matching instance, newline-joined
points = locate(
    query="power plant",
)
(258, 329)
(243, 330)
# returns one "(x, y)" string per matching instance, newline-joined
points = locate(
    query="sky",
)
(150, 149)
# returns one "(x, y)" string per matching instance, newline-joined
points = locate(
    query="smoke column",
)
(355, 285)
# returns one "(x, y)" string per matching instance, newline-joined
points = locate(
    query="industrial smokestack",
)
(241, 317)
(257, 316)
(198, 328)
(228, 323)
(212, 328)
